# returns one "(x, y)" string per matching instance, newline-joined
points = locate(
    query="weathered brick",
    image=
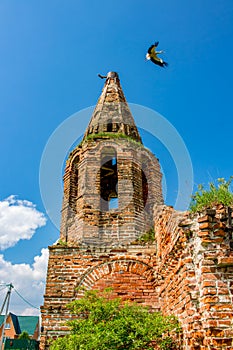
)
(225, 261)
(205, 225)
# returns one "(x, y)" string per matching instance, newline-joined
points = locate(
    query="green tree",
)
(102, 323)
(219, 193)
(24, 335)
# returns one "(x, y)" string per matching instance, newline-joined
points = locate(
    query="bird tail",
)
(165, 64)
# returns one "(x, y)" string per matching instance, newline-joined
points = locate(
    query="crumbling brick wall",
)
(195, 268)
(129, 271)
(187, 272)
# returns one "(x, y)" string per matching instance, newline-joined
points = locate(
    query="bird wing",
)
(153, 47)
(155, 59)
(158, 61)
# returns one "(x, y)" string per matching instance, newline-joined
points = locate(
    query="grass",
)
(111, 136)
(219, 193)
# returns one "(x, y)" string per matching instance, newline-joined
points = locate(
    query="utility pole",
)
(5, 302)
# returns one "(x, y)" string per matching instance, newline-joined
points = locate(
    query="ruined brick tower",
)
(109, 169)
(112, 199)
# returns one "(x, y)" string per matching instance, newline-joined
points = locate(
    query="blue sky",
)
(51, 53)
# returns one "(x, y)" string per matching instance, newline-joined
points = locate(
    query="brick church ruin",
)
(112, 200)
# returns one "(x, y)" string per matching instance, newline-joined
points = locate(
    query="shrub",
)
(216, 194)
(102, 323)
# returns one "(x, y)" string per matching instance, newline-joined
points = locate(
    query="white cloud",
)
(28, 281)
(29, 311)
(19, 219)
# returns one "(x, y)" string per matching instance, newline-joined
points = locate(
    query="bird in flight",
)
(152, 55)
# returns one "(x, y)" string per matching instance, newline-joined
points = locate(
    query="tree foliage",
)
(216, 194)
(102, 323)
(24, 335)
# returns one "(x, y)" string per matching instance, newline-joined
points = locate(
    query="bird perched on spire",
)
(152, 55)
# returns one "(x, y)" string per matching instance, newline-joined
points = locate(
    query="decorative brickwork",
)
(187, 271)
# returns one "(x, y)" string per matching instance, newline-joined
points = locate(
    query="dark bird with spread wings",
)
(152, 55)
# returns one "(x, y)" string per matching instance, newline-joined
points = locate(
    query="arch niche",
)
(129, 279)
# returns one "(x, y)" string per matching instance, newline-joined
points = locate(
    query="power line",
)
(26, 301)
(4, 285)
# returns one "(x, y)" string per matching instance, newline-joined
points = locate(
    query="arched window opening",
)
(113, 203)
(108, 179)
(109, 127)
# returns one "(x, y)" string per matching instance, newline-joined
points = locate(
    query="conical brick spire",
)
(112, 114)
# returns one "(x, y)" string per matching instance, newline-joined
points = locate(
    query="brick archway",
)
(130, 279)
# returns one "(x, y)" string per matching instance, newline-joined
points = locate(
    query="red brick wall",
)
(83, 219)
(188, 272)
(196, 272)
(129, 271)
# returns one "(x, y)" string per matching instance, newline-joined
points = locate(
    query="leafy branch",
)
(219, 193)
(100, 322)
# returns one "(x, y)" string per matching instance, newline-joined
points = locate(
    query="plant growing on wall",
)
(110, 135)
(147, 237)
(102, 323)
(219, 193)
